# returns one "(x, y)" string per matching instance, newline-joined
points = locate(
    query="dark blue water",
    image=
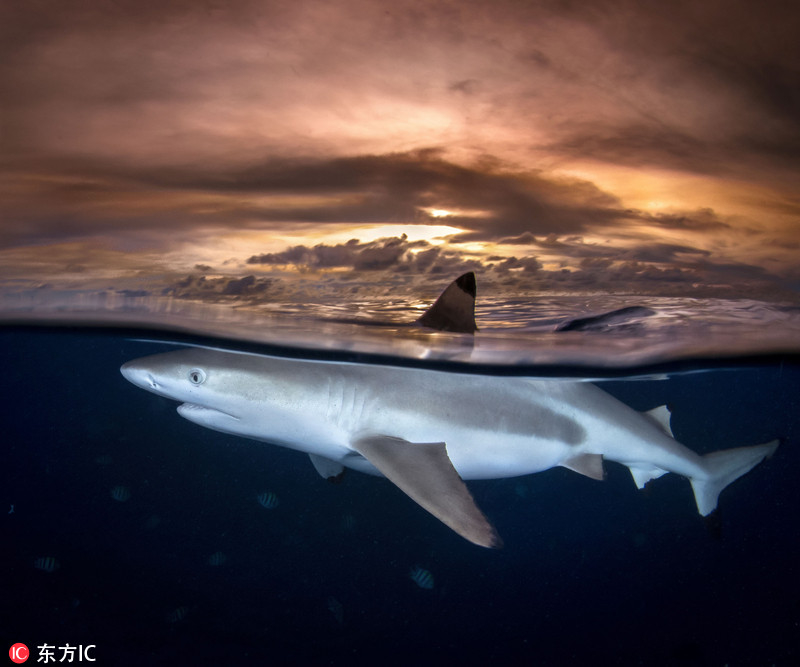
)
(591, 572)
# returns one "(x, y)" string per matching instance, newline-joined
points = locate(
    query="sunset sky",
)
(548, 145)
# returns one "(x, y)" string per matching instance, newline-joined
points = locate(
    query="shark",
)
(428, 431)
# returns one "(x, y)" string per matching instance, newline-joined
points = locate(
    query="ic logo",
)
(18, 653)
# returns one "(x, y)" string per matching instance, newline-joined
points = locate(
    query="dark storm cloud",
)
(67, 200)
(398, 186)
(701, 220)
(665, 253)
(639, 144)
(526, 238)
(576, 250)
(653, 145)
(395, 188)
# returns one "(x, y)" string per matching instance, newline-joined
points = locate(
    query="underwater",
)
(156, 541)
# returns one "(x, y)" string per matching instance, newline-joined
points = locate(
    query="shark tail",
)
(724, 468)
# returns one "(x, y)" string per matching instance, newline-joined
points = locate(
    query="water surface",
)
(167, 555)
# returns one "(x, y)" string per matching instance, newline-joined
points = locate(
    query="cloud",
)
(394, 265)
(320, 256)
(526, 238)
(527, 264)
(490, 200)
(143, 130)
(467, 86)
(704, 219)
(700, 86)
(395, 253)
(645, 267)
(664, 253)
(210, 289)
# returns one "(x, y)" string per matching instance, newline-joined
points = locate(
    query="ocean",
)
(145, 539)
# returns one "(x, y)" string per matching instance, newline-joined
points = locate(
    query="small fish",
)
(217, 559)
(121, 493)
(268, 500)
(177, 615)
(47, 564)
(11, 511)
(336, 608)
(422, 578)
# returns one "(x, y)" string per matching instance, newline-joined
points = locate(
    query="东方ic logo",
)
(18, 653)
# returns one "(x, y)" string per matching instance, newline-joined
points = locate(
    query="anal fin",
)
(641, 475)
(424, 472)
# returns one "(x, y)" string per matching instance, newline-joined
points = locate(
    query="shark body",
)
(427, 430)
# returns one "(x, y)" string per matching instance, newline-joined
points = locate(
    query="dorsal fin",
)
(454, 310)
(661, 416)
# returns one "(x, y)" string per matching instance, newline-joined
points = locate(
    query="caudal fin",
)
(725, 467)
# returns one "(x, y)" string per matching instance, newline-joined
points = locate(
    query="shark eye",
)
(197, 376)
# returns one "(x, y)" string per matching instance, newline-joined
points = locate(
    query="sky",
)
(182, 147)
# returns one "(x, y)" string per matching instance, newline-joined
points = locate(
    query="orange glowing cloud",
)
(515, 138)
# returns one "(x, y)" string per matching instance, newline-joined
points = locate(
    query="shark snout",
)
(138, 376)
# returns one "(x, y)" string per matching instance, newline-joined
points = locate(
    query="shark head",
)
(191, 377)
(238, 393)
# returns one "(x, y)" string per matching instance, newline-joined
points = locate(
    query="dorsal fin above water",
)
(454, 310)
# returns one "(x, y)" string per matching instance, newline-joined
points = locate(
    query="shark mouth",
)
(195, 412)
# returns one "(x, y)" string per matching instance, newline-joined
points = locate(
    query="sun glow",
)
(434, 234)
(438, 213)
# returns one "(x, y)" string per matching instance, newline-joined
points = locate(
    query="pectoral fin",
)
(424, 472)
